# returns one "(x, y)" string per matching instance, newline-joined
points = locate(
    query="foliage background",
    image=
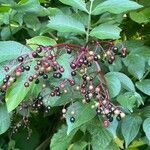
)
(45, 22)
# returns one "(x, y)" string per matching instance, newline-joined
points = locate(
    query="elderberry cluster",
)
(86, 75)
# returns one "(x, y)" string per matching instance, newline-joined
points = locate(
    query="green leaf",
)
(106, 31)
(40, 40)
(65, 60)
(114, 84)
(145, 112)
(17, 92)
(27, 6)
(112, 128)
(4, 119)
(146, 128)
(64, 23)
(141, 16)
(61, 140)
(81, 145)
(136, 65)
(126, 82)
(144, 86)
(130, 128)
(101, 138)
(83, 114)
(117, 65)
(79, 4)
(23, 143)
(129, 99)
(141, 50)
(115, 6)
(10, 50)
(112, 146)
(32, 22)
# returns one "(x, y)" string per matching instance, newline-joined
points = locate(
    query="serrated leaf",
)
(17, 92)
(117, 65)
(141, 16)
(65, 24)
(79, 4)
(144, 86)
(4, 119)
(146, 128)
(112, 128)
(130, 128)
(65, 60)
(61, 140)
(106, 31)
(114, 84)
(40, 40)
(136, 65)
(80, 145)
(10, 50)
(28, 6)
(115, 6)
(126, 82)
(129, 99)
(101, 138)
(83, 114)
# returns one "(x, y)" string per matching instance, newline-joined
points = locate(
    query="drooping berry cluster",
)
(86, 74)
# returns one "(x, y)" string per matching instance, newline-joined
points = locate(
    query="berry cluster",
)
(86, 75)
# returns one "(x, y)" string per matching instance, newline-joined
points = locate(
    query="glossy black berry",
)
(85, 62)
(72, 119)
(59, 75)
(57, 88)
(5, 80)
(20, 59)
(45, 76)
(73, 73)
(41, 73)
(98, 111)
(27, 68)
(95, 58)
(110, 61)
(118, 118)
(52, 94)
(40, 98)
(123, 55)
(84, 77)
(58, 93)
(115, 49)
(37, 81)
(69, 50)
(110, 119)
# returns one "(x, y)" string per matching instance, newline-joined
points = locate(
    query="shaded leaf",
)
(114, 84)
(126, 82)
(61, 140)
(136, 65)
(144, 86)
(130, 128)
(4, 119)
(146, 128)
(83, 114)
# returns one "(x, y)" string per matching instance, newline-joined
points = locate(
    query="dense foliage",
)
(102, 45)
